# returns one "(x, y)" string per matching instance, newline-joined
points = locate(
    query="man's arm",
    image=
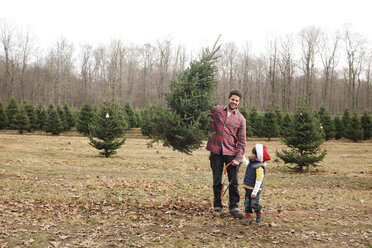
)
(242, 138)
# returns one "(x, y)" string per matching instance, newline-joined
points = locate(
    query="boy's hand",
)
(253, 196)
(234, 163)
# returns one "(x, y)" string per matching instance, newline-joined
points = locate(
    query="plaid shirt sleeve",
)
(242, 136)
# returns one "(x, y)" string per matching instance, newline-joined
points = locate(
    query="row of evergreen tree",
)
(273, 123)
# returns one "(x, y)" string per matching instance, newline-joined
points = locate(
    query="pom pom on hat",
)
(262, 154)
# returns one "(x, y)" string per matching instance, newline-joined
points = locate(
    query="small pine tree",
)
(148, 116)
(366, 121)
(339, 127)
(130, 114)
(259, 125)
(3, 117)
(62, 117)
(70, 120)
(85, 119)
(304, 140)
(270, 127)
(286, 125)
(11, 110)
(21, 121)
(42, 116)
(328, 125)
(108, 128)
(356, 129)
(30, 110)
(252, 119)
(243, 110)
(53, 124)
(138, 118)
(279, 117)
(346, 121)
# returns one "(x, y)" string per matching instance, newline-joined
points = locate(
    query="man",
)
(227, 144)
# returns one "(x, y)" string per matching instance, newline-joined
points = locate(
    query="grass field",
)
(57, 192)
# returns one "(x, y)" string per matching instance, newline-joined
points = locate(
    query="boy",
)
(253, 182)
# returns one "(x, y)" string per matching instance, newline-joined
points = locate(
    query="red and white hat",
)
(262, 154)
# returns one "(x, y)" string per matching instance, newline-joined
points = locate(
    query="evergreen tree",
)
(108, 128)
(304, 139)
(85, 119)
(42, 116)
(328, 125)
(270, 127)
(366, 121)
(3, 117)
(31, 114)
(186, 124)
(356, 129)
(259, 125)
(245, 113)
(53, 123)
(346, 121)
(11, 110)
(279, 118)
(286, 125)
(138, 118)
(70, 119)
(252, 119)
(148, 117)
(339, 127)
(130, 114)
(21, 121)
(62, 117)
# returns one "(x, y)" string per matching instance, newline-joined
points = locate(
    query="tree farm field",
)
(55, 191)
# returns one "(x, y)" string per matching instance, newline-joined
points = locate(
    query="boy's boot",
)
(248, 219)
(259, 216)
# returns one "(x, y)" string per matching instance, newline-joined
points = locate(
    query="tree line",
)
(331, 69)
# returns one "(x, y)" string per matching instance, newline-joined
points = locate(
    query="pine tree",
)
(138, 118)
(42, 116)
(85, 119)
(339, 127)
(148, 116)
(62, 117)
(130, 114)
(245, 113)
(186, 124)
(270, 125)
(21, 121)
(328, 125)
(252, 119)
(279, 118)
(304, 140)
(3, 117)
(11, 110)
(70, 119)
(53, 124)
(356, 129)
(259, 125)
(286, 125)
(31, 114)
(366, 121)
(346, 121)
(108, 128)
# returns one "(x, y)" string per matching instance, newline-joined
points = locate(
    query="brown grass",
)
(57, 192)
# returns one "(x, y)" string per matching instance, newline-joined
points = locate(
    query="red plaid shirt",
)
(227, 133)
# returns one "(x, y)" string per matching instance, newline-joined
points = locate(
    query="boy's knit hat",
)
(262, 154)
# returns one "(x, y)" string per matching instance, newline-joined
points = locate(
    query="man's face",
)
(233, 102)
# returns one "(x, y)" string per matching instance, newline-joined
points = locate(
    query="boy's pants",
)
(217, 165)
(251, 204)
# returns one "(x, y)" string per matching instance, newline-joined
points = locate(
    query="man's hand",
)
(253, 196)
(234, 163)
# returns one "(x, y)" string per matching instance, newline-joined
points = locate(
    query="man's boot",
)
(248, 219)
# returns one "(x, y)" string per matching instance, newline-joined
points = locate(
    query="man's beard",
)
(231, 108)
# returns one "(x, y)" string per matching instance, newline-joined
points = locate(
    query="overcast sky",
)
(194, 23)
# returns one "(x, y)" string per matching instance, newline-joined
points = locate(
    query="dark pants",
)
(251, 204)
(217, 165)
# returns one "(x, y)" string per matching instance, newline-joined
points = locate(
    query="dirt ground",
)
(55, 191)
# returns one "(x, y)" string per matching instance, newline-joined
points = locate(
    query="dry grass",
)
(56, 191)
